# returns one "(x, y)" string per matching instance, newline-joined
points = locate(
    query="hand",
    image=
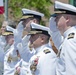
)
(52, 24)
(28, 27)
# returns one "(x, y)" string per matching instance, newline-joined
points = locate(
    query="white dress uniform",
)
(11, 58)
(68, 52)
(10, 61)
(58, 40)
(2, 44)
(22, 46)
(43, 62)
(66, 60)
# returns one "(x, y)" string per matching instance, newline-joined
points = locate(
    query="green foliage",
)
(15, 7)
(39, 5)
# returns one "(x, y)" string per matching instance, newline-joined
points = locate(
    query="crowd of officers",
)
(33, 53)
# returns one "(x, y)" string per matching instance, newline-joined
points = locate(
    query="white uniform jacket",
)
(67, 58)
(43, 62)
(2, 44)
(10, 61)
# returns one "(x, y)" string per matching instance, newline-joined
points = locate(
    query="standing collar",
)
(70, 30)
(41, 48)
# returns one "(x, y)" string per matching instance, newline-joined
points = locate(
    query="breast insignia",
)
(71, 35)
(16, 73)
(9, 58)
(46, 51)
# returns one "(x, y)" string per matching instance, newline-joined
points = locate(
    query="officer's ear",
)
(68, 18)
(42, 39)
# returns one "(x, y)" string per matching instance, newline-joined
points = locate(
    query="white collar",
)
(41, 48)
(70, 30)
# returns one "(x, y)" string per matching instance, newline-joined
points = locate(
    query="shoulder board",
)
(46, 51)
(71, 35)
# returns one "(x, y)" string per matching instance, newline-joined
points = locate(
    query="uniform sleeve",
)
(12, 51)
(25, 40)
(17, 38)
(56, 36)
(24, 52)
(18, 33)
(21, 44)
(2, 41)
(24, 49)
(57, 39)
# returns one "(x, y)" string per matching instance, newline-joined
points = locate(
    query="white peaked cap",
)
(70, 9)
(31, 12)
(44, 29)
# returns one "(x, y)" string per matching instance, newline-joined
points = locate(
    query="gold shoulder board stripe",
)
(71, 35)
(46, 51)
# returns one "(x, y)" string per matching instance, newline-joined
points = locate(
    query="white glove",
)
(20, 27)
(52, 24)
(18, 33)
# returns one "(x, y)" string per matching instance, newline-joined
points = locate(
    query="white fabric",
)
(1, 2)
(46, 63)
(27, 11)
(52, 24)
(56, 35)
(24, 49)
(67, 62)
(37, 26)
(60, 5)
(9, 67)
(2, 44)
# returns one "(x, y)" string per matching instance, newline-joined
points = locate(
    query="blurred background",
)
(12, 8)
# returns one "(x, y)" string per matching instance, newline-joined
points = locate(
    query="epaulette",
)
(71, 35)
(46, 51)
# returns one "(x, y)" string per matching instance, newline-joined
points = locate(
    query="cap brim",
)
(54, 15)
(26, 16)
(7, 33)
